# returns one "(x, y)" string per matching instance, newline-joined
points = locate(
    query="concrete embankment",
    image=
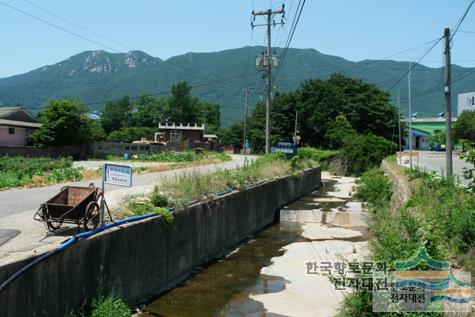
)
(143, 259)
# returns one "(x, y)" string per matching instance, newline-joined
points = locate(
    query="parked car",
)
(287, 148)
(437, 147)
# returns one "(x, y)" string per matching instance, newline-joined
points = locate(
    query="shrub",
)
(375, 188)
(109, 306)
(365, 152)
(315, 154)
(158, 199)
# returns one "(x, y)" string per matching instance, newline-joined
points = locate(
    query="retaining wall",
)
(401, 188)
(143, 259)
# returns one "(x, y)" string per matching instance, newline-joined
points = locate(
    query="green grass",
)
(187, 188)
(173, 157)
(18, 171)
(439, 216)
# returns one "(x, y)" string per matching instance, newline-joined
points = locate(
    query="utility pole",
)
(246, 106)
(448, 106)
(410, 114)
(267, 61)
(399, 124)
(295, 127)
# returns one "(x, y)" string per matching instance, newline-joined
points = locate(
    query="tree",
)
(319, 102)
(149, 111)
(131, 134)
(182, 107)
(64, 122)
(339, 132)
(232, 135)
(117, 115)
(464, 127)
(365, 152)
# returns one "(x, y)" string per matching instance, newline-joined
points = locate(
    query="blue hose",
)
(73, 240)
(85, 235)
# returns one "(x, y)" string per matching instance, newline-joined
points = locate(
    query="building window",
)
(11, 130)
(176, 135)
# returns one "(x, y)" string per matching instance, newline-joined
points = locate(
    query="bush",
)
(109, 306)
(318, 155)
(375, 188)
(365, 152)
(158, 199)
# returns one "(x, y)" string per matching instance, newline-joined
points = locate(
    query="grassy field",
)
(16, 171)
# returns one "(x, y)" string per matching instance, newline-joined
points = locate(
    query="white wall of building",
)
(18, 137)
(466, 101)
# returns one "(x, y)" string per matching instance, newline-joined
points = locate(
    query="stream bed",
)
(267, 276)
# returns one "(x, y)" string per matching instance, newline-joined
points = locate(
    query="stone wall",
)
(401, 188)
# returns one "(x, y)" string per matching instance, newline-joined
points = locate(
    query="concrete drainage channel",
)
(268, 275)
(145, 258)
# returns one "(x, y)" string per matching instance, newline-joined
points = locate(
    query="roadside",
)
(19, 205)
(435, 161)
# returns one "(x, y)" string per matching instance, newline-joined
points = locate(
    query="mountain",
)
(97, 76)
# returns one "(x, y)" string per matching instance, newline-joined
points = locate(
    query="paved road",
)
(17, 200)
(19, 205)
(435, 161)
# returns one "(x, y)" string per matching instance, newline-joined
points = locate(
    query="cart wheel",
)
(53, 225)
(91, 216)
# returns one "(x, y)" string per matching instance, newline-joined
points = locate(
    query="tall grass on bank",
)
(439, 216)
(186, 188)
(18, 171)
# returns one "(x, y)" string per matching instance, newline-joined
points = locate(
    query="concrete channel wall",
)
(140, 260)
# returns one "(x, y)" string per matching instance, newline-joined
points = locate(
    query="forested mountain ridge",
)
(96, 76)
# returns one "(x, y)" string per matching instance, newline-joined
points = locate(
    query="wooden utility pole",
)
(410, 113)
(246, 106)
(399, 125)
(295, 127)
(448, 106)
(267, 61)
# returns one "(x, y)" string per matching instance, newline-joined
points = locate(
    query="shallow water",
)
(223, 288)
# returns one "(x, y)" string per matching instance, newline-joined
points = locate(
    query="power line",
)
(414, 63)
(457, 26)
(298, 13)
(78, 25)
(57, 26)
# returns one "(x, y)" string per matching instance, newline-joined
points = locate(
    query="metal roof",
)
(14, 123)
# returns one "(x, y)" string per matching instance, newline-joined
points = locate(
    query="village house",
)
(15, 126)
(174, 132)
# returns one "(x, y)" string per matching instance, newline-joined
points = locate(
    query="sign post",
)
(114, 174)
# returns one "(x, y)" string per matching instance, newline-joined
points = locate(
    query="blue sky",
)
(355, 30)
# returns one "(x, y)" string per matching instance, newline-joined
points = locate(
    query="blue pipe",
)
(85, 235)
(73, 240)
